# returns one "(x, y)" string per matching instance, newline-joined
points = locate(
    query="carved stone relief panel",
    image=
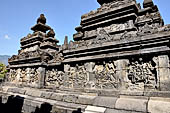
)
(27, 75)
(24, 55)
(99, 76)
(90, 33)
(54, 77)
(142, 75)
(148, 16)
(105, 76)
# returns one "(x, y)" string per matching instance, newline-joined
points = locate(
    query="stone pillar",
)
(90, 75)
(66, 75)
(163, 73)
(121, 72)
(41, 77)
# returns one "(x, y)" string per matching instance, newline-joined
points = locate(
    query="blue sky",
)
(18, 16)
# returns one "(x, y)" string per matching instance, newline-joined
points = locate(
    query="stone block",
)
(85, 99)
(119, 111)
(57, 96)
(163, 61)
(114, 93)
(32, 109)
(159, 105)
(46, 95)
(28, 92)
(58, 110)
(157, 94)
(35, 103)
(27, 102)
(36, 93)
(132, 104)
(22, 91)
(108, 102)
(13, 90)
(94, 109)
(132, 93)
(70, 98)
(25, 108)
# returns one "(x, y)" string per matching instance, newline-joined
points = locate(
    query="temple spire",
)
(148, 3)
(40, 26)
(41, 19)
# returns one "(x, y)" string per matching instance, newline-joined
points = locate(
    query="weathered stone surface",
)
(46, 95)
(165, 94)
(70, 98)
(131, 104)
(57, 96)
(85, 99)
(35, 104)
(120, 111)
(132, 93)
(108, 102)
(33, 93)
(159, 105)
(94, 109)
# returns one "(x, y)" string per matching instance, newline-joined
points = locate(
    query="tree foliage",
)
(3, 70)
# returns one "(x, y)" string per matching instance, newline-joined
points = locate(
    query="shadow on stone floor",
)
(45, 108)
(14, 104)
(77, 111)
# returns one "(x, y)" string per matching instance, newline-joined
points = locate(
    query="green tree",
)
(3, 70)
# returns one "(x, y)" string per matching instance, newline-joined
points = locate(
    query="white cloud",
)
(7, 37)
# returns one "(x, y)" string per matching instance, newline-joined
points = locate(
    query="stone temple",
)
(119, 62)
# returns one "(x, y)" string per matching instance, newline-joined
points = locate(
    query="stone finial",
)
(40, 26)
(41, 19)
(66, 40)
(148, 3)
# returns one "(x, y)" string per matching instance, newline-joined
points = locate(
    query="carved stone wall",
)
(92, 75)
(24, 76)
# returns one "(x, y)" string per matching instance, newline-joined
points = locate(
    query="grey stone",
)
(119, 111)
(36, 103)
(132, 93)
(131, 104)
(95, 109)
(108, 102)
(159, 105)
(85, 99)
(70, 98)
(57, 96)
(46, 95)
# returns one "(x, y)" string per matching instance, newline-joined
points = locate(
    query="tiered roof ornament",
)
(148, 3)
(41, 25)
(38, 49)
